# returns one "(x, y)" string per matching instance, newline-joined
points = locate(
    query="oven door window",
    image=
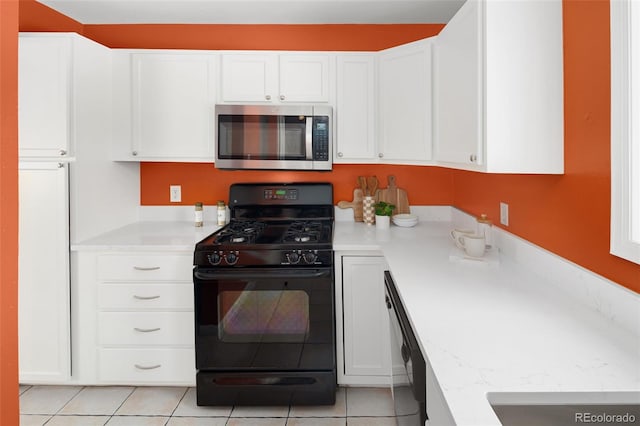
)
(262, 137)
(249, 322)
(263, 316)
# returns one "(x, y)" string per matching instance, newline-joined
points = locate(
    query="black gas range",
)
(264, 302)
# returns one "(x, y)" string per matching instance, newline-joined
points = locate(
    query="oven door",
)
(264, 319)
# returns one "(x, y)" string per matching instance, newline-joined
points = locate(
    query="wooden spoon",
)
(362, 182)
(372, 185)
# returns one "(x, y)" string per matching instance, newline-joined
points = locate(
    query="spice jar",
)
(222, 213)
(199, 214)
(484, 229)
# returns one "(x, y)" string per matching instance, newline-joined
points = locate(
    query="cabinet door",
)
(44, 85)
(355, 109)
(365, 317)
(405, 102)
(43, 274)
(304, 78)
(173, 103)
(458, 86)
(249, 77)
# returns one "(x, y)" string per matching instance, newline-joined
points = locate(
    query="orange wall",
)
(8, 212)
(203, 182)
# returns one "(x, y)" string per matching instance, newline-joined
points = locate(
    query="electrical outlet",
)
(175, 193)
(504, 214)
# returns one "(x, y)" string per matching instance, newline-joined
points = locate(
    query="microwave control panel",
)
(321, 138)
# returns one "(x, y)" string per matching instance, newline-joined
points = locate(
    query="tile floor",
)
(176, 406)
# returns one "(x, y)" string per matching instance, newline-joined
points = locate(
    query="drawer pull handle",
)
(143, 268)
(146, 330)
(135, 296)
(151, 367)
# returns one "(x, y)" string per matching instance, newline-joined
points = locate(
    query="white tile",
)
(369, 402)
(371, 421)
(189, 408)
(153, 401)
(46, 399)
(256, 422)
(137, 421)
(337, 410)
(258, 411)
(97, 400)
(33, 420)
(197, 421)
(317, 421)
(78, 421)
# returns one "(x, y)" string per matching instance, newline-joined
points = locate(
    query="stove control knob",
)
(310, 257)
(214, 258)
(293, 257)
(231, 258)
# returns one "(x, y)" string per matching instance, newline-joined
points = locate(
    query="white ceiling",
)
(257, 11)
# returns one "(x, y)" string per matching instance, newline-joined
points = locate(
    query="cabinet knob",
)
(340, 154)
(282, 97)
(134, 153)
(380, 155)
(63, 152)
(473, 158)
(268, 97)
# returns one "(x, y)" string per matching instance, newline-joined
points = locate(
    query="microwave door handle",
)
(309, 138)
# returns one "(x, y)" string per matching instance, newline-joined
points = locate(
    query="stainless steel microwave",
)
(287, 137)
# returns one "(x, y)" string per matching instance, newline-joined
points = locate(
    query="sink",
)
(565, 408)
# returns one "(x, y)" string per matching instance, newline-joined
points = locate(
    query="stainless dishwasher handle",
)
(146, 268)
(146, 330)
(151, 367)
(135, 296)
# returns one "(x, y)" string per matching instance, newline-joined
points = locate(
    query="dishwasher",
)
(408, 368)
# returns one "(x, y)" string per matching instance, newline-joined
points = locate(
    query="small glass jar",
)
(222, 213)
(199, 214)
(484, 229)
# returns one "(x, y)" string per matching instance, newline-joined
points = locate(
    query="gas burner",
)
(241, 231)
(303, 232)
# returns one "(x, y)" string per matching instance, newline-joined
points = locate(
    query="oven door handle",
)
(261, 274)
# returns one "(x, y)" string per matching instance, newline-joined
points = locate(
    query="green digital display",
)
(281, 191)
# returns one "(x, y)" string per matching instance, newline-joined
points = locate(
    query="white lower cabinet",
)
(139, 328)
(43, 279)
(362, 321)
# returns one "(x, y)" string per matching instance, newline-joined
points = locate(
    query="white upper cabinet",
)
(355, 108)
(56, 87)
(44, 87)
(275, 77)
(164, 104)
(404, 103)
(499, 88)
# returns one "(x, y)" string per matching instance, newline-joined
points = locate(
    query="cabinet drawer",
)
(139, 366)
(145, 267)
(146, 328)
(145, 296)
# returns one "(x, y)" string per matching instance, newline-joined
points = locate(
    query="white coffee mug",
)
(474, 245)
(457, 233)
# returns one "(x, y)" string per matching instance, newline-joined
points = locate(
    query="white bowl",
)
(405, 220)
